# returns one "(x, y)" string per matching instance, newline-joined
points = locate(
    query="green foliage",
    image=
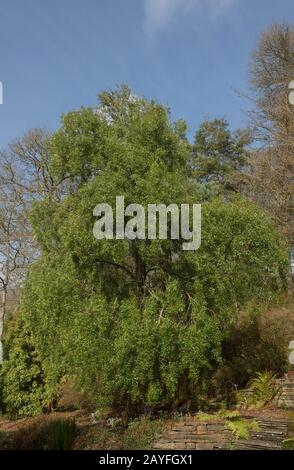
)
(264, 388)
(230, 415)
(40, 433)
(288, 444)
(141, 433)
(219, 155)
(24, 390)
(56, 434)
(259, 340)
(141, 324)
(138, 434)
(205, 417)
(241, 427)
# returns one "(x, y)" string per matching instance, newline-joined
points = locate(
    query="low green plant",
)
(230, 415)
(261, 391)
(137, 434)
(288, 444)
(42, 433)
(207, 417)
(141, 433)
(57, 434)
(263, 388)
(114, 422)
(241, 427)
(243, 398)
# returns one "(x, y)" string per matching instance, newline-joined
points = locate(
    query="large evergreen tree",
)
(139, 322)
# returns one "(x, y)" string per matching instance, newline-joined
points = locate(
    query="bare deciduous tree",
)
(24, 177)
(16, 251)
(272, 166)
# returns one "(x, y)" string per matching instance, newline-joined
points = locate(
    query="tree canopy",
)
(139, 323)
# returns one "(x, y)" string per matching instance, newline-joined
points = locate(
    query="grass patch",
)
(141, 433)
(43, 433)
(138, 434)
(57, 434)
(205, 417)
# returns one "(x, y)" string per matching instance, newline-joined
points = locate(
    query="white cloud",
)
(160, 13)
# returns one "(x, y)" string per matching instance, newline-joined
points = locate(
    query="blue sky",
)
(192, 55)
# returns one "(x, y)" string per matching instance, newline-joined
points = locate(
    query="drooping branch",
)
(117, 266)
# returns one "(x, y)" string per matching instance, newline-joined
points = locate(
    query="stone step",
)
(256, 445)
(274, 434)
(184, 427)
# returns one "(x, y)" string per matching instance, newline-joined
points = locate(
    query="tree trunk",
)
(5, 283)
(2, 317)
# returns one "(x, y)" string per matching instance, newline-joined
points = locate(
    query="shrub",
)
(57, 434)
(23, 382)
(42, 433)
(261, 391)
(141, 433)
(264, 388)
(258, 341)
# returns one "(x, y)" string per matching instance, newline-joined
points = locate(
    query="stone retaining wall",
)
(193, 434)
